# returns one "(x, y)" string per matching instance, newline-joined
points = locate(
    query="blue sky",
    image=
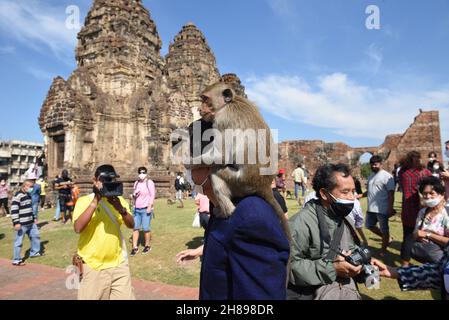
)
(312, 67)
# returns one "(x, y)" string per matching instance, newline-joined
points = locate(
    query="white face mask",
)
(432, 203)
(436, 167)
(142, 176)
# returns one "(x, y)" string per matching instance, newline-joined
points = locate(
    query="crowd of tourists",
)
(249, 256)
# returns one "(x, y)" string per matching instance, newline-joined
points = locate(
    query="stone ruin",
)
(423, 135)
(124, 99)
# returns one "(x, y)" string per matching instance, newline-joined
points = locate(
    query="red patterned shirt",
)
(410, 199)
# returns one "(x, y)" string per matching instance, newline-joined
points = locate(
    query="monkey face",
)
(206, 110)
(215, 98)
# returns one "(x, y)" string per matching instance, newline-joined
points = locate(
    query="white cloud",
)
(38, 26)
(347, 108)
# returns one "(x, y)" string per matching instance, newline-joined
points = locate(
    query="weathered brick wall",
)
(423, 136)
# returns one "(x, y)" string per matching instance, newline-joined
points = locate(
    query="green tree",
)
(365, 170)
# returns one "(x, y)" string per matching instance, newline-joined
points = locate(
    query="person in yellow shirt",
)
(44, 186)
(97, 219)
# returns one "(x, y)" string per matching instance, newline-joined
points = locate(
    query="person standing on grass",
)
(179, 187)
(4, 191)
(411, 174)
(64, 187)
(299, 179)
(101, 247)
(380, 193)
(56, 198)
(144, 195)
(279, 198)
(43, 194)
(203, 203)
(24, 223)
(35, 194)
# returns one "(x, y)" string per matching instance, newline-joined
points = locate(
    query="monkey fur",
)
(226, 110)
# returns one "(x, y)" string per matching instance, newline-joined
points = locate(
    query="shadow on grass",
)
(195, 243)
(2, 236)
(365, 297)
(140, 241)
(41, 224)
(42, 250)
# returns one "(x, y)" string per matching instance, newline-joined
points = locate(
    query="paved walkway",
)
(38, 282)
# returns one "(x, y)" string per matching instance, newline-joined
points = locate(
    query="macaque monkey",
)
(232, 180)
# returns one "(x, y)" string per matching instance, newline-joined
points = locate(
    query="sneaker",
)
(146, 250)
(134, 252)
(37, 255)
(18, 263)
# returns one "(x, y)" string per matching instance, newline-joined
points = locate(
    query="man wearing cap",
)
(97, 219)
(245, 256)
(280, 183)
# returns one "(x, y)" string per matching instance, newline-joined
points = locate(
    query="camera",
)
(111, 187)
(370, 275)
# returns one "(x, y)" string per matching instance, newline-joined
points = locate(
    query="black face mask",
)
(375, 170)
(341, 209)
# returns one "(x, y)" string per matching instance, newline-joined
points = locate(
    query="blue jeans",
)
(372, 218)
(142, 220)
(33, 234)
(35, 206)
(58, 209)
(297, 186)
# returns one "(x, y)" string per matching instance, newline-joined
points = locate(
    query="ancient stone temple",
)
(423, 135)
(124, 99)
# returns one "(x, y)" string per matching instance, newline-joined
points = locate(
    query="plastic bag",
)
(196, 220)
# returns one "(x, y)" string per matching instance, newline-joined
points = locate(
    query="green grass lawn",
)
(172, 232)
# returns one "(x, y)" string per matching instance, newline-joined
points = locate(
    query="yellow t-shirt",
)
(43, 187)
(99, 244)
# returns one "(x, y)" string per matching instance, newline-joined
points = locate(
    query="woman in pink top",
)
(202, 201)
(144, 195)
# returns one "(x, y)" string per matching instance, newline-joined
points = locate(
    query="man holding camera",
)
(321, 239)
(101, 248)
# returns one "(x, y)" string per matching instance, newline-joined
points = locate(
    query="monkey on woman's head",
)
(231, 178)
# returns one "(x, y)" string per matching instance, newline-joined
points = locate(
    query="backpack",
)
(178, 185)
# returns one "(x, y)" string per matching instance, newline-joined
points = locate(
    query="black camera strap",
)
(336, 241)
